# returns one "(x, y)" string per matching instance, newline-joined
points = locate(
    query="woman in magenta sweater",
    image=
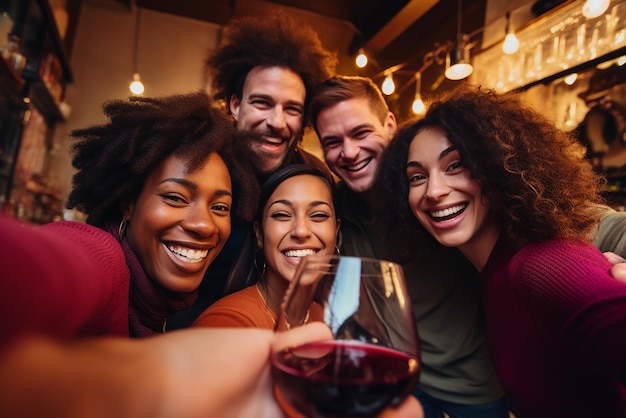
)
(158, 183)
(488, 175)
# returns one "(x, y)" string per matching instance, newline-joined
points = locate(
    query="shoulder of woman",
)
(239, 309)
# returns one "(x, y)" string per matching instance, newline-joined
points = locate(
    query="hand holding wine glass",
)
(363, 356)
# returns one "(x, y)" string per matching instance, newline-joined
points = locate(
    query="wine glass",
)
(357, 352)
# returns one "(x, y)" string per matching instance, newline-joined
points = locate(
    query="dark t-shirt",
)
(447, 305)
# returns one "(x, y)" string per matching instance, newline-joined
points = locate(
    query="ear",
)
(234, 105)
(391, 124)
(259, 235)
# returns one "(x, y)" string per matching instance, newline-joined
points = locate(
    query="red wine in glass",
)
(345, 341)
(339, 378)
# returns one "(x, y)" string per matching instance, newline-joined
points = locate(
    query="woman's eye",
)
(221, 208)
(415, 178)
(456, 165)
(280, 215)
(174, 199)
(320, 216)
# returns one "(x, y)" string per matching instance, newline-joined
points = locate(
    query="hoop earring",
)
(339, 243)
(121, 230)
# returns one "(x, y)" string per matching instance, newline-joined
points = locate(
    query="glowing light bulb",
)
(595, 8)
(361, 59)
(388, 86)
(418, 106)
(571, 79)
(136, 86)
(510, 44)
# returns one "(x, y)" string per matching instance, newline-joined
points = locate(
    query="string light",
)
(418, 106)
(361, 59)
(457, 60)
(595, 8)
(571, 78)
(136, 86)
(511, 43)
(388, 86)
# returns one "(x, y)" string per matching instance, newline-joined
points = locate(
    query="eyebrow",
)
(441, 157)
(193, 186)
(290, 204)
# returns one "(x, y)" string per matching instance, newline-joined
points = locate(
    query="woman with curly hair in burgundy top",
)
(158, 184)
(486, 174)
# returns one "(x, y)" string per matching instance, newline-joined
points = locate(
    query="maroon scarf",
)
(149, 302)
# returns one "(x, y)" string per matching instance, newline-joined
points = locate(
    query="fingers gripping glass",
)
(359, 353)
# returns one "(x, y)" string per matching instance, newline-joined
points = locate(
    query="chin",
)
(359, 187)
(267, 168)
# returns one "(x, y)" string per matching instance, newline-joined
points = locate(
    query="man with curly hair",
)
(263, 74)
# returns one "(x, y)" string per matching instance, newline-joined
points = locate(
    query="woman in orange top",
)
(296, 218)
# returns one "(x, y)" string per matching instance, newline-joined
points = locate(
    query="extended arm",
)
(187, 373)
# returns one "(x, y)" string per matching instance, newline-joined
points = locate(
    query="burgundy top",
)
(556, 329)
(70, 279)
(64, 279)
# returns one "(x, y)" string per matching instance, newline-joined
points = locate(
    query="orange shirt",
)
(245, 308)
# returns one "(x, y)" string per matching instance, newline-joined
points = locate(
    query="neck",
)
(478, 249)
(273, 290)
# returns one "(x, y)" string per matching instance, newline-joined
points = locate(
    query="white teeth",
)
(273, 139)
(447, 212)
(358, 166)
(299, 253)
(188, 254)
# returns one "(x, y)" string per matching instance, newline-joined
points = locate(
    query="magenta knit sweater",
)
(556, 330)
(64, 279)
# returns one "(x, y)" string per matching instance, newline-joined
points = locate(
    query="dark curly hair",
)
(114, 160)
(538, 185)
(275, 40)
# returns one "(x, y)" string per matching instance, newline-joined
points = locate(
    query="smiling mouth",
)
(447, 213)
(188, 255)
(273, 140)
(358, 166)
(299, 253)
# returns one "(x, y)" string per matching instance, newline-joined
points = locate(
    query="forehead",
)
(277, 82)
(347, 113)
(304, 188)
(212, 167)
(429, 138)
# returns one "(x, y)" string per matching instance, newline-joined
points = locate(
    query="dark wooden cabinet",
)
(30, 107)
